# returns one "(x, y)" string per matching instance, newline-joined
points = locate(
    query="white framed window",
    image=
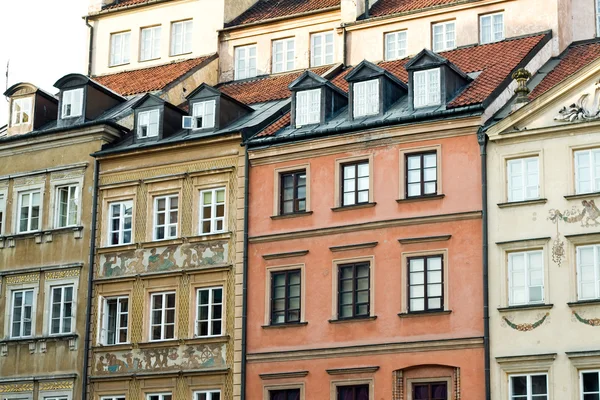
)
(67, 205)
(115, 320)
(528, 387)
(444, 36)
(308, 107)
(30, 213)
(21, 111)
(112, 398)
(212, 211)
(148, 123)
(283, 55)
(588, 272)
(72, 103)
(56, 398)
(491, 28)
(525, 278)
(119, 48)
(204, 113)
(395, 45)
(523, 179)
(321, 49)
(245, 62)
(181, 37)
(120, 221)
(587, 171)
(589, 386)
(150, 43)
(427, 89)
(159, 396)
(208, 395)
(2, 212)
(365, 98)
(22, 313)
(61, 309)
(209, 312)
(597, 17)
(166, 217)
(162, 316)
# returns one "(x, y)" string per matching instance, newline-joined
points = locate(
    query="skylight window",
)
(308, 107)
(148, 124)
(366, 98)
(427, 88)
(72, 103)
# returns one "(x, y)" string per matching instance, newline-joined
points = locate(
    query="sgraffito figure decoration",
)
(578, 112)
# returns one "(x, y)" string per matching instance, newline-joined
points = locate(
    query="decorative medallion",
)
(17, 279)
(66, 273)
(59, 385)
(590, 321)
(527, 326)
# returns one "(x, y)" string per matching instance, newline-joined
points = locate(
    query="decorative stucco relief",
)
(526, 327)
(587, 321)
(578, 112)
(16, 388)
(29, 180)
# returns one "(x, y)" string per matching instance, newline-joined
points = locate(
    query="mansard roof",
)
(266, 10)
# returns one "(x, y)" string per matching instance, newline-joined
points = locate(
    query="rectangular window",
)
(209, 312)
(491, 28)
(30, 211)
(72, 103)
(162, 316)
(204, 113)
(21, 111)
(523, 179)
(587, 171)
(112, 398)
(166, 211)
(160, 396)
(292, 196)
(148, 123)
(354, 292)
(366, 98)
(528, 387)
(525, 278)
(421, 174)
(61, 312)
(181, 37)
(430, 391)
(150, 43)
(2, 213)
(208, 395)
(212, 211)
(597, 17)
(426, 284)
(308, 107)
(427, 90)
(285, 394)
(395, 45)
(355, 183)
(588, 272)
(67, 203)
(285, 297)
(444, 36)
(115, 321)
(283, 55)
(119, 48)
(357, 392)
(321, 49)
(590, 385)
(22, 313)
(245, 62)
(120, 223)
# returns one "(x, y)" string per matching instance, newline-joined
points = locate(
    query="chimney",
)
(352, 9)
(522, 91)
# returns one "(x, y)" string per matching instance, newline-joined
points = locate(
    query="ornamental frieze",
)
(66, 273)
(527, 326)
(29, 180)
(16, 388)
(59, 385)
(18, 279)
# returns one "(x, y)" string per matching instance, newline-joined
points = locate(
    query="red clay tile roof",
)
(269, 9)
(387, 7)
(277, 125)
(574, 59)
(149, 79)
(123, 3)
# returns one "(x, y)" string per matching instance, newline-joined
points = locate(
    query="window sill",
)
(283, 326)
(291, 215)
(522, 203)
(355, 319)
(118, 65)
(41, 236)
(65, 336)
(112, 347)
(583, 303)
(581, 196)
(526, 307)
(179, 54)
(42, 341)
(424, 313)
(149, 59)
(183, 341)
(420, 198)
(353, 207)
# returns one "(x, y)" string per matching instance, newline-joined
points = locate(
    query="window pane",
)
(519, 385)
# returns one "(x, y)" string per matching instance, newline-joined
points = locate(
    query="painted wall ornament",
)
(578, 112)
(586, 321)
(526, 327)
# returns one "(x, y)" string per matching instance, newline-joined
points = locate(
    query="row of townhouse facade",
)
(290, 200)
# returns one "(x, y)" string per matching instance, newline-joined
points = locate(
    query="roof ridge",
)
(154, 66)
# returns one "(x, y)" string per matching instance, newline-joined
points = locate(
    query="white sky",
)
(44, 40)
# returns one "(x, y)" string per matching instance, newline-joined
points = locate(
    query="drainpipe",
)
(344, 45)
(482, 139)
(245, 278)
(367, 9)
(90, 52)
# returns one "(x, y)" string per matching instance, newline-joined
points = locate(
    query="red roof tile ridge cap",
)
(125, 5)
(409, 12)
(155, 66)
(276, 19)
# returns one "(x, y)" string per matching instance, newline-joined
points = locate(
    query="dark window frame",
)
(421, 175)
(291, 393)
(430, 385)
(354, 164)
(354, 390)
(288, 297)
(354, 291)
(295, 199)
(425, 294)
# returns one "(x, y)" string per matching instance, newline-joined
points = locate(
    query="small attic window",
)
(427, 88)
(308, 107)
(148, 124)
(21, 111)
(72, 103)
(204, 114)
(366, 98)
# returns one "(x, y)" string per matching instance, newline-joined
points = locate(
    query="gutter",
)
(245, 277)
(90, 52)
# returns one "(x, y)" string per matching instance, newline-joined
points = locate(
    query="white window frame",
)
(211, 318)
(526, 172)
(145, 119)
(209, 394)
(182, 43)
(526, 271)
(597, 18)
(365, 98)
(319, 54)
(13, 293)
(447, 44)
(120, 48)
(103, 333)
(529, 394)
(596, 266)
(591, 154)
(117, 397)
(72, 98)
(30, 207)
(581, 392)
(69, 205)
(399, 40)
(494, 35)
(24, 104)
(243, 54)
(431, 98)
(2, 213)
(205, 109)
(160, 396)
(168, 210)
(163, 310)
(213, 213)
(62, 303)
(308, 107)
(122, 207)
(288, 55)
(150, 43)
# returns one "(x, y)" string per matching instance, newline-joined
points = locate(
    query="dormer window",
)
(21, 111)
(72, 103)
(427, 88)
(148, 124)
(204, 114)
(366, 98)
(308, 107)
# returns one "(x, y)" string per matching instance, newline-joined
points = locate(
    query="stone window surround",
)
(277, 185)
(4, 196)
(125, 193)
(337, 198)
(527, 364)
(402, 167)
(336, 263)
(207, 284)
(279, 268)
(515, 156)
(54, 185)
(17, 190)
(352, 382)
(107, 295)
(10, 288)
(48, 284)
(572, 185)
(572, 243)
(210, 182)
(404, 277)
(149, 290)
(283, 386)
(410, 381)
(582, 361)
(157, 189)
(55, 393)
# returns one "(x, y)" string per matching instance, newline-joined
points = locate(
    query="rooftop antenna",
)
(7, 69)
